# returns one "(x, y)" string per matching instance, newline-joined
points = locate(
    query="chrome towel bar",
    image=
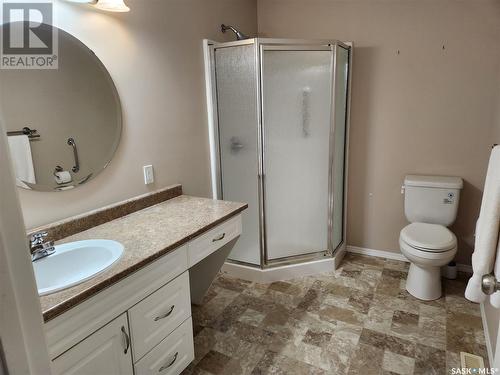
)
(31, 133)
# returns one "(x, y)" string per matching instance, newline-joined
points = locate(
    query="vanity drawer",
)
(206, 244)
(172, 355)
(155, 317)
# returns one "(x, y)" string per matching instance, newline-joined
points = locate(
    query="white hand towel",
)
(487, 230)
(20, 151)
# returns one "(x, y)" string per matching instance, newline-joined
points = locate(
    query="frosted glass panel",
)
(296, 107)
(237, 110)
(339, 147)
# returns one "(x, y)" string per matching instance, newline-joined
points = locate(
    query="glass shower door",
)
(296, 115)
(236, 80)
(339, 147)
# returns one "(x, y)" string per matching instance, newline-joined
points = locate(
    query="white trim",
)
(487, 337)
(339, 255)
(377, 253)
(466, 268)
(211, 113)
(24, 349)
(310, 268)
(241, 271)
(287, 272)
(341, 252)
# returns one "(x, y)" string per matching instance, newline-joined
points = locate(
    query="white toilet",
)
(431, 204)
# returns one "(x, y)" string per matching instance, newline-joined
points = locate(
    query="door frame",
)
(23, 349)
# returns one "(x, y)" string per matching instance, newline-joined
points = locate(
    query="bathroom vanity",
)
(135, 317)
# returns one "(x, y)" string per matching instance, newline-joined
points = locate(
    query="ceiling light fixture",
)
(112, 5)
(107, 5)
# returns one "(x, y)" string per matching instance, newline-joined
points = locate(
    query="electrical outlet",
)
(149, 176)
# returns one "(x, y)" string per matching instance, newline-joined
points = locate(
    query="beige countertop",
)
(146, 235)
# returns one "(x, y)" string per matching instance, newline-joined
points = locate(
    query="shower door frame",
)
(262, 44)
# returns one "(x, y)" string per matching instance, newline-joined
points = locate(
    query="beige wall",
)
(154, 54)
(426, 110)
(496, 125)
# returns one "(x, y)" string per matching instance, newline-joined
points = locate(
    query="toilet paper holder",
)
(489, 284)
(58, 168)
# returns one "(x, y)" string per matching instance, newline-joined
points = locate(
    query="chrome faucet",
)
(39, 248)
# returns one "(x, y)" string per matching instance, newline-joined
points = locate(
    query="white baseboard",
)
(487, 337)
(241, 271)
(292, 271)
(339, 255)
(465, 268)
(377, 253)
(280, 273)
(395, 255)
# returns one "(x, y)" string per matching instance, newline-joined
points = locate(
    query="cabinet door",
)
(107, 351)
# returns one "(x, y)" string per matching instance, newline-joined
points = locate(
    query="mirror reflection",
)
(63, 124)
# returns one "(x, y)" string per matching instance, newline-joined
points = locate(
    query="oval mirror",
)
(63, 124)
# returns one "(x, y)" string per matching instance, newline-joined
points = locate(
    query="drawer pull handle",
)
(164, 367)
(221, 237)
(166, 314)
(127, 340)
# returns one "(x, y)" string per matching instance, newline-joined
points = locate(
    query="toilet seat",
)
(425, 257)
(430, 238)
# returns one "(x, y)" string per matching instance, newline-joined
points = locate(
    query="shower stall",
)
(278, 117)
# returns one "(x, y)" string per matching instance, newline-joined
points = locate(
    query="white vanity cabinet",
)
(154, 333)
(141, 324)
(106, 351)
(156, 317)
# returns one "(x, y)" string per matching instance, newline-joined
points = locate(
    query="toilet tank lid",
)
(443, 182)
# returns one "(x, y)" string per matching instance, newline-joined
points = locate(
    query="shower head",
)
(239, 34)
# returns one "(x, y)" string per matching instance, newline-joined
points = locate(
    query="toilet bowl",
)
(431, 205)
(428, 247)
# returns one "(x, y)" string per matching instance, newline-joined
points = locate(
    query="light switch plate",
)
(149, 176)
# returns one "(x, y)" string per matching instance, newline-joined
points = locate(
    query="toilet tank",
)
(432, 199)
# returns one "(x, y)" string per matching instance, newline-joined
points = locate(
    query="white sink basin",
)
(73, 263)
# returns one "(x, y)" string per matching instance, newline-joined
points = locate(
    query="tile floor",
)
(356, 320)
